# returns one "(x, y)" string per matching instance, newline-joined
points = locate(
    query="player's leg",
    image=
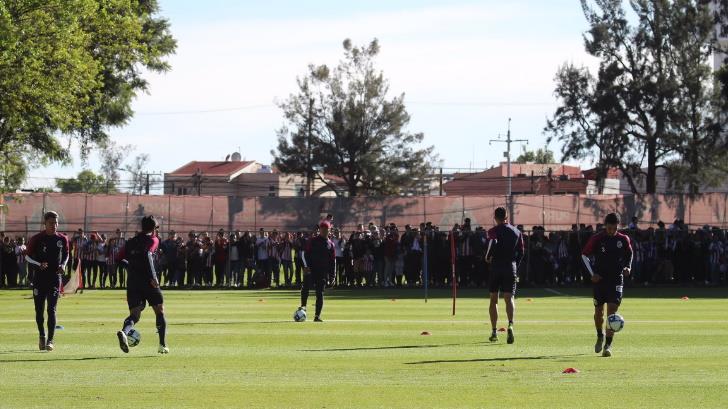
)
(52, 303)
(304, 289)
(136, 305)
(320, 283)
(39, 297)
(508, 288)
(161, 327)
(611, 309)
(599, 324)
(493, 311)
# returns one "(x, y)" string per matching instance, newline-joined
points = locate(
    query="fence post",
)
(169, 213)
(126, 214)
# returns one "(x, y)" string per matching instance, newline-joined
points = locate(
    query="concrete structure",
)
(528, 178)
(237, 178)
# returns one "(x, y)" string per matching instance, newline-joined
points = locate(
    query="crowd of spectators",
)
(385, 256)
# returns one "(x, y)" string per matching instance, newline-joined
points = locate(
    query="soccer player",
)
(612, 253)
(504, 254)
(142, 283)
(48, 251)
(319, 261)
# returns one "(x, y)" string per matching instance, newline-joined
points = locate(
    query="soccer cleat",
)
(42, 343)
(493, 337)
(49, 346)
(598, 345)
(317, 319)
(607, 351)
(510, 339)
(123, 342)
(163, 349)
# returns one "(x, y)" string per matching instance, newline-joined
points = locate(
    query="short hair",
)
(611, 218)
(50, 215)
(500, 213)
(149, 223)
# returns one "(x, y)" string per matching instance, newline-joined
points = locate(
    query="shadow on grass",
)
(186, 324)
(392, 347)
(515, 358)
(88, 358)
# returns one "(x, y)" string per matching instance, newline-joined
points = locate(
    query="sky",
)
(465, 67)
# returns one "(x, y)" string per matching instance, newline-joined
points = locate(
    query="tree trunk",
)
(651, 185)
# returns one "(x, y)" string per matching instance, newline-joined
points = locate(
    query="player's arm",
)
(65, 255)
(585, 253)
(629, 256)
(520, 250)
(332, 265)
(492, 239)
(151, 272)
(30, 249)
(306, 249)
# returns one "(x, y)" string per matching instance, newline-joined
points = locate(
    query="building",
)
(616, 183)
(527, 179)
(238, 178)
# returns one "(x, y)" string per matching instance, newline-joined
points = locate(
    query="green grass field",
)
(241, 349)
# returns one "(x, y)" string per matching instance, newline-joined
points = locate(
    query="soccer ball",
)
(133, 337)
(299, 315)
(615, 322)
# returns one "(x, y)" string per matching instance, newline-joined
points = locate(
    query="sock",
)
(495, 330)
(128, 324)
(609, 341)
(510, 324)
(600, 333)
(161, 328)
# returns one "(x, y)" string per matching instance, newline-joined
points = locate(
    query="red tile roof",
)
(211, 168)
(557, 169)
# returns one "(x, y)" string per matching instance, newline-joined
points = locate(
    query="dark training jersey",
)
(47, 248)
(611, 254)
(139, 253)
(319, 254)
(505, 246)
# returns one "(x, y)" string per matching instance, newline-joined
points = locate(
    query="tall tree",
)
(112, 155)
(141, 178)
(540, 156)
(86, 182)
(653, 94)
(342, 123)
(69, 70)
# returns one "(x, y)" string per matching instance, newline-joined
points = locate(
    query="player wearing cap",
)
(143, 283)
(319, 261)
(48, 251)
(612, 253)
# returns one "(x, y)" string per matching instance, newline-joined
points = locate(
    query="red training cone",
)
(685, 298)
(425, 333)
(501, 329)
(570, 370)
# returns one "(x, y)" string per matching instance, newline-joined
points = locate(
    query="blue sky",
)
(464, 66)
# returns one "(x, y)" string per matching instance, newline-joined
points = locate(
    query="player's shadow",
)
(88, 358)
(391, 347)
(515, 358)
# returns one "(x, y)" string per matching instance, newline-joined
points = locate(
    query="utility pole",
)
(507, 155)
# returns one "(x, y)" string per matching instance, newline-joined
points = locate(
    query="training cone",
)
(394, 300)
(529, 300)
(261, 300)
(425, 333)
(501, 329)
(570, 370)
(685, 298)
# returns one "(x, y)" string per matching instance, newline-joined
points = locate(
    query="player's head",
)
(50, 220)
(611, 221)
(324, 227)
(500, 215)
(149, 224)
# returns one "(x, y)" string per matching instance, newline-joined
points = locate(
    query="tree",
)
(342, 123)
(112, 156)
(540, 156)
(69, 70)
(141, 179)
(653, 102)
(86, 182)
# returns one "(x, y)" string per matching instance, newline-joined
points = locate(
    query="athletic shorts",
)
(503, 279)
(608, 293)
(138, 295)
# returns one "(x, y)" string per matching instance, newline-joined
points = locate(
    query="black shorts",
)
(503, 279)
(608, 293)
(138, 295)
